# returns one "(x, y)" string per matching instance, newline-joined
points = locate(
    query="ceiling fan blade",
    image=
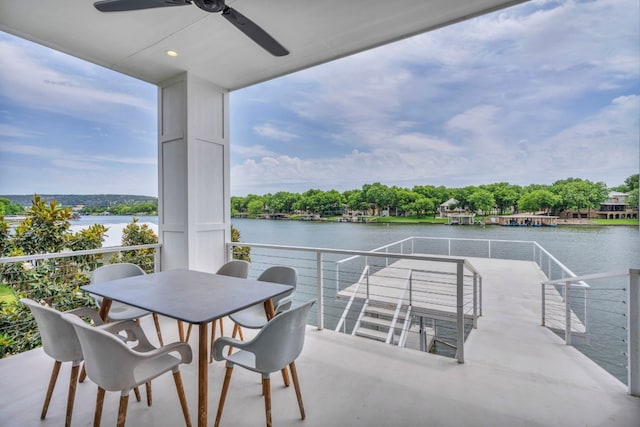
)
(124, 5)
(254, 32)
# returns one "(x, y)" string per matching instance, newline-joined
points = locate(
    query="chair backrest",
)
(59, 339)
(108, 360)
(114, 272)
(235, 268)
(281, 340)
(280, 274)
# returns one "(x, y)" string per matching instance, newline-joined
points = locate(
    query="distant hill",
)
(89, 200)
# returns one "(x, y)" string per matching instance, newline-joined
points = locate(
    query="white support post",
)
(567, 312)
(320, 284)
(544, 304)
(489, 249)
(633, 332)
(460, 312)
(475, 300)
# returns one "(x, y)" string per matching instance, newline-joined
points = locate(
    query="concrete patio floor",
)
(516, 373)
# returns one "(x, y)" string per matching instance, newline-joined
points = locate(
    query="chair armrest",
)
(284, 304)
(87, 312)
(222, 342)
(133, 330)
(180, 347)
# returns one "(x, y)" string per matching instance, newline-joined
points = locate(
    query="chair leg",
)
(73, 382)
(223, 395)
(122, 410)
(148, 387)
(180, 330)
(285, 377)
(83, 373)
(296, 385)
(157, 323)
(177, 378)
(99, 403)
(52, 384)
(213, 336)
(189, 332)
(136, 391)
(266, 388)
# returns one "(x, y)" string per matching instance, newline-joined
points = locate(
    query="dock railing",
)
(632, 314)
(324, 272)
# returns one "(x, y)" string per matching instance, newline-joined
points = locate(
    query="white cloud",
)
(270, 131)
(26, 78)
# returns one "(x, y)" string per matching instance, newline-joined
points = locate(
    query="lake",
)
(583, 249)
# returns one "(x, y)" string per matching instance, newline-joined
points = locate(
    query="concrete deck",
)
(517, 373)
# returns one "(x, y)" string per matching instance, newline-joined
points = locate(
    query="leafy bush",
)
(55, 282)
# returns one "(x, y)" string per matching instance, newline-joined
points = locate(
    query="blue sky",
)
(531, 94)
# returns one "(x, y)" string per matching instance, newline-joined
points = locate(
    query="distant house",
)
(449, 207)
(616, 207)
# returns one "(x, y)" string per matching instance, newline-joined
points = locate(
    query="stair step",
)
(377, 321)
(372, 309)
(371, 333)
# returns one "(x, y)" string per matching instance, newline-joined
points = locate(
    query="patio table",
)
(190, 296)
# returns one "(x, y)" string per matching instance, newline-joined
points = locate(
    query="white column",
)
(193, 173)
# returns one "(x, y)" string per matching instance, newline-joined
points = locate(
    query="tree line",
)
(424, 200)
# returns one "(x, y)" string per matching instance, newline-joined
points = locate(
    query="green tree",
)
(138, 234)
(8, 208)
(537, 200)
(580, 194)
(255, 207)
(506, 195)
(481, 201)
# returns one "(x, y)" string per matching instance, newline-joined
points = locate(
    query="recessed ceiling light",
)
(171, 53)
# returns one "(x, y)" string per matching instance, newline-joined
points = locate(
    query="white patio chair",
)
(59, 342)
(114, 366)
(118, 310)
(278, 344)
(254, 317)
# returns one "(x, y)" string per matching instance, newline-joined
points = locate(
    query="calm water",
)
(584, 250)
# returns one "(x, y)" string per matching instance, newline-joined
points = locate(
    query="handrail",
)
(405, 328)
(396, 312)
(66, 254)
(343, 318)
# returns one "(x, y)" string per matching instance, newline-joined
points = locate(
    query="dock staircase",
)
(379, 321)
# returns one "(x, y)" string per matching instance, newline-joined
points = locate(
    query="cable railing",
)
(343, 288)
(613, 310)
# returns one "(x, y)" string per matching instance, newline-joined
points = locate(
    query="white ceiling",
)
(314, 31)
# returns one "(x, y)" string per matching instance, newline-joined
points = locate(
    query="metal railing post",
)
(475, 300)
(489, 249)
(320, 284)
(459, 312)
(156, 260)
(449, 253)
(633, 332)
(411, 287)
(544, 304)
(567, 312)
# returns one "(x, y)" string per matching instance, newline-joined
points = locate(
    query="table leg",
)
(203, 374)
(104, 309)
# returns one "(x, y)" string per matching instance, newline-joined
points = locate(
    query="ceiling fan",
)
(241, 22)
